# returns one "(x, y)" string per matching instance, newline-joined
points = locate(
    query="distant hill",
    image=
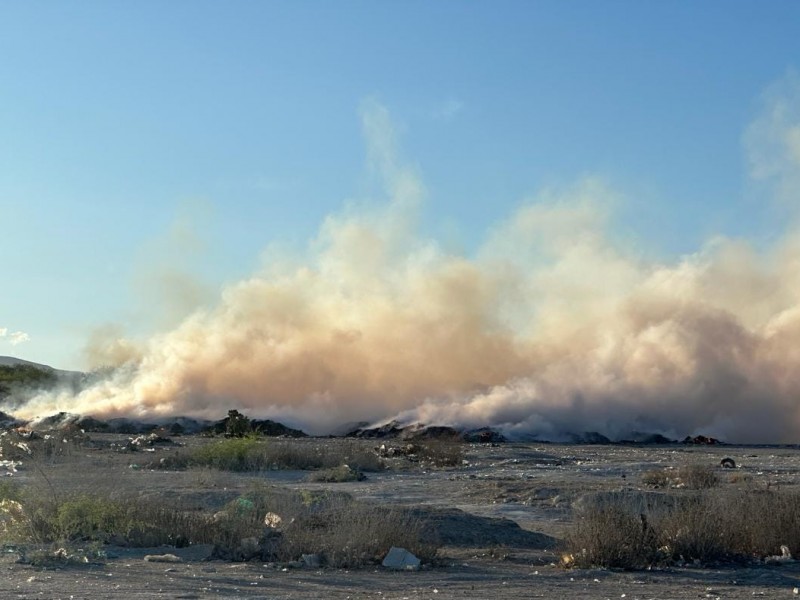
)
(18, 374)
(10, 361)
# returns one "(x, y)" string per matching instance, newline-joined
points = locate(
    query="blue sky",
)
(189, 136)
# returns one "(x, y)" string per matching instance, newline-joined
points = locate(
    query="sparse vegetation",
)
(610, 537)
(348, 533)
(343, 531)
(21, 375)
(709, 525)
(259, 454)
(698, 477)
(443, 452)
(338, 474)
(693, 477)
(660, 478)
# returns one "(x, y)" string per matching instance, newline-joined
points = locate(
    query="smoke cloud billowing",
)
(550, 327)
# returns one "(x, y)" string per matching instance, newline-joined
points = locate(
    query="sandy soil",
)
(500, 516)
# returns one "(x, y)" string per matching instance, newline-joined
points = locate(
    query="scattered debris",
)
(11, 466)
(406, 450)
(785, 557)
(163, 558)
(149, 440)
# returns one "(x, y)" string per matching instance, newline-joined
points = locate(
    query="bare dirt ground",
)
(500, 517)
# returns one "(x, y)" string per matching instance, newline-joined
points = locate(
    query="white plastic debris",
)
(785, 556)
(400, 559)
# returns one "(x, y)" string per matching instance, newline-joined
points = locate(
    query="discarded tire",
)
(727, 463)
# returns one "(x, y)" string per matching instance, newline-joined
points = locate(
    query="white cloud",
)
(18, 337)
(15, 337)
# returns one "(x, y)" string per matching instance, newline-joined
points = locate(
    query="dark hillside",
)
(25, 376)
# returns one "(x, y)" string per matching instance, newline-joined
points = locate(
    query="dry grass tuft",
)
(707, 526)
(253, 454)
(444, 452)
(698, 477)
(344, 532)
(660, 478)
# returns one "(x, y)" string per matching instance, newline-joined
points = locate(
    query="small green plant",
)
(232, 454)
(91, 518)
(258, 454)
(10, 490)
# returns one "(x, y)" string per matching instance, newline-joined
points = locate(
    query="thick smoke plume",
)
(550, 327)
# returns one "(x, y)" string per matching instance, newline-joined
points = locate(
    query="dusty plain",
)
(500, 517)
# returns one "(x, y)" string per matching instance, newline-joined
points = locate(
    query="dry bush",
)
(610, 537)
(293, 454)
(339, 474)
(343, 531)
(657, 478)
(361, 457)
(349, 533)
(85, 517)
(309, 455)
(696, 530)
(698, 477)
(741, 478)
(445, 452)
(764, 521)
(709, 525)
